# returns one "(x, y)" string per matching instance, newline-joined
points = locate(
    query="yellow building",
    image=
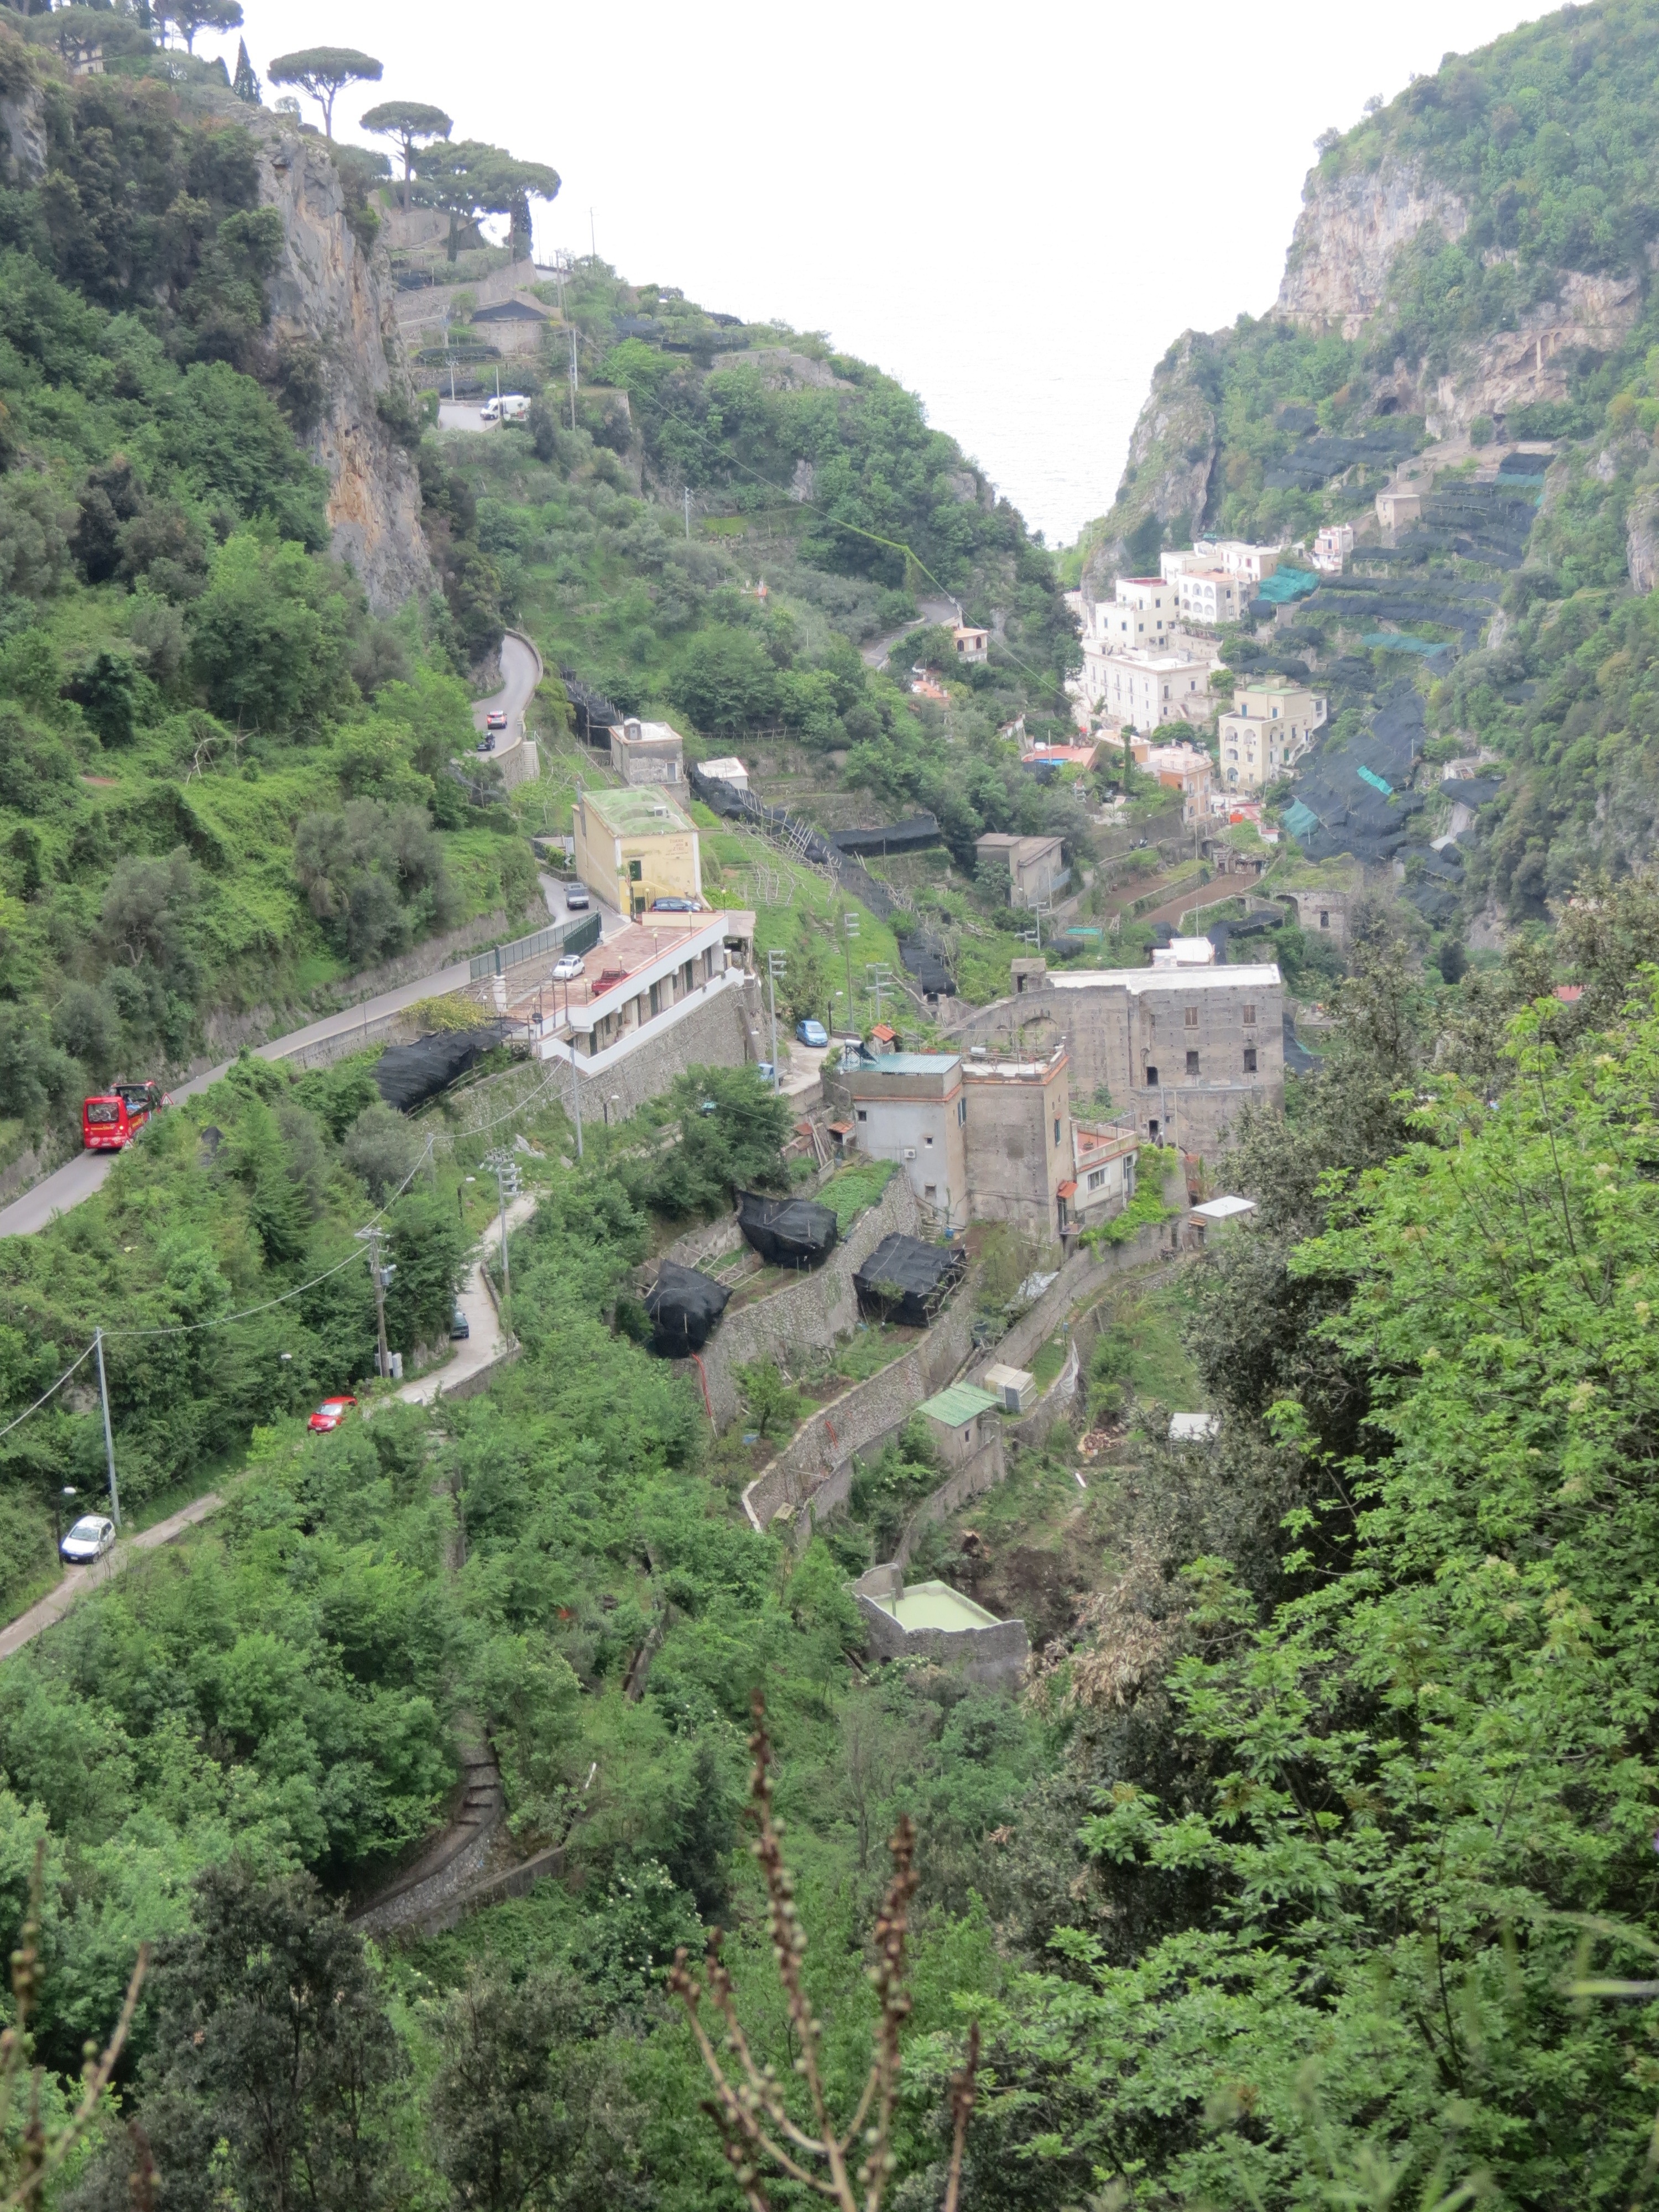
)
(635, 846)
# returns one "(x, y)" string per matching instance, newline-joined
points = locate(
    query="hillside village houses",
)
(1332, 547)
(1268, 728)
(647, 752)
(1183, 767)
(634, 846)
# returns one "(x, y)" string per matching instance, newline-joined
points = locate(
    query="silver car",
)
(567, 967)
(88, 1541)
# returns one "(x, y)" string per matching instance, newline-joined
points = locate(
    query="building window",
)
(1324, 918)
(1152, 1081)
(1056, 1128)
(863, 1116)
(961, 1112)
(928, 1142)
(1096, 1178)
(930, 1192)
(636, 871)
(1151, 1131)
(1250, 1017)
(1191, 1063)
(1249, 1059)
(1191, 1018)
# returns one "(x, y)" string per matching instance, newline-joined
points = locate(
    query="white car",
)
(511, 407)
(567, 967)
(88, 1541)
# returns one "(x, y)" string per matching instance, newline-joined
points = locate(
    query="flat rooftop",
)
(640, 945)
(1266, 975)
(642, 809)
(908, 1063)
(936, 1604)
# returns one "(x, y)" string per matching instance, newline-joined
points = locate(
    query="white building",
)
(1332, 548)
(1142, 690)
(1210, 596)
(1269, 729)
(728, 769)
(1256, 563)
(1143, 614)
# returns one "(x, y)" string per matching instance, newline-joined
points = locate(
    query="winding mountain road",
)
(77, 1179)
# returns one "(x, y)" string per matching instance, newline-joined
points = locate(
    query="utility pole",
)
(506, 1186)
(572, 379)
(371, 1237)
(575, 1087)
(688, 513)
(776, 964)
(881, 979)
(109, 1441)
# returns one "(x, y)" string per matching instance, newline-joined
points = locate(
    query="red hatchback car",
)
(332, 1411)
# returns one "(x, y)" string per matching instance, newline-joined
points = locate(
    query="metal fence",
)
(560, 937)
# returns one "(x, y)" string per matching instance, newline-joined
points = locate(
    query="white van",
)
(511, 407)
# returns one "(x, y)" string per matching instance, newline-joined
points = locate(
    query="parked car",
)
(459, 1326)
(494, 720)
(567, 967)
(511, 407)
(87, 1541)
(576, 899)
(811, 1032)
(332, 1411)
(676, 906)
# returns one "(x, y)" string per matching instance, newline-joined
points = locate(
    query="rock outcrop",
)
(1347, 235)
(1167, 474)
(335, 295)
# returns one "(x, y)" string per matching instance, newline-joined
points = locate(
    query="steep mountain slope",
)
(1472, 269)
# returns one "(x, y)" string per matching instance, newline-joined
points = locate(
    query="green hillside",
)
(1276, 426)
(226, 783)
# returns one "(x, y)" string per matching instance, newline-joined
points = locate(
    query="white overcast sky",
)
(1012, 210)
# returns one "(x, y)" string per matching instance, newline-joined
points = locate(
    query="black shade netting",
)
(408, 1074)
(684, 1304)
(790, 1232)
(908, 1282)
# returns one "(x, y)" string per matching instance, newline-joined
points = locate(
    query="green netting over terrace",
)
(1286, 584)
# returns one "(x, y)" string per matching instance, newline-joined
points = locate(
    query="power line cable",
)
(46, 1393)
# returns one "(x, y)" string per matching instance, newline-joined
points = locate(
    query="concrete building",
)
(1332, 548)
(1035, 865)
(930, 1620)
(1018, 1132)
(972, 645)
(635, 845)
(1268, 729)
(1143, 615)
(910, 1107)
(647, 752)
(1142, 690)
(1179, 1050)
(1397, 506)
(1209, 596)
(1183, 767)
(1256, 563)
(1324, 911)
(1104, 1155)
(962, 1421)
(514, 324)
(728, 769)
(628, 981)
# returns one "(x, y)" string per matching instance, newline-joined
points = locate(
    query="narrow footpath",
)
(77, 1580)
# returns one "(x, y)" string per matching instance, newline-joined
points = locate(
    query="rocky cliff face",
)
(1346, 236)
(332, 294)
(1167, 474)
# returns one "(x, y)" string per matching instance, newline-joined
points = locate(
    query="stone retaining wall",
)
(814, 1474)
(971, 1480)
(810, 1313)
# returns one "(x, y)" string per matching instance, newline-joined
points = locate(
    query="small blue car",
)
(811, 1032)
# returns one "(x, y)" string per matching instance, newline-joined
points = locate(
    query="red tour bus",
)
(109, 1123)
